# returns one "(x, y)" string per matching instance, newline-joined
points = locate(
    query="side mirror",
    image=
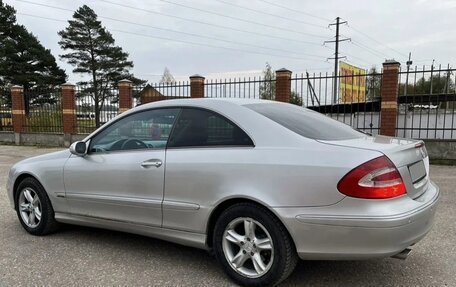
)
(78, 148)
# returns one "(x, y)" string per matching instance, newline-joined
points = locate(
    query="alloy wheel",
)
(248, 247)
(30, 207)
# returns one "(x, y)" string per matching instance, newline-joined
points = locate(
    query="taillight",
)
(375, 179)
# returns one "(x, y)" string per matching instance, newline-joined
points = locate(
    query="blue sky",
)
(228, 38)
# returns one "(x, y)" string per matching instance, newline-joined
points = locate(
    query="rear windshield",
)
(305, 122)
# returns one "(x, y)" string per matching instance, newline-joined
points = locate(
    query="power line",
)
(295, 10)
(184, 33)
(185, 19)
(376, 41)
(270, 14)
(370, 50)
(350, 56)
(211, 38)
(362, 45)
(206, 23)
(182, 41)
(243, 20)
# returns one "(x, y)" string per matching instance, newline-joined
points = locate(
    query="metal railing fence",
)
(427, 103)
(6, 113)
(357, 102)
(43, 111)
(250, 88)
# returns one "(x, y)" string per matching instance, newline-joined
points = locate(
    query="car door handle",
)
(151, 162)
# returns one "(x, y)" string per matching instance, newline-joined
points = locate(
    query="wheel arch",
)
(18, 181)
(223, 205)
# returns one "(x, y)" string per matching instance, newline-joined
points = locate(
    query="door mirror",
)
(78, 148)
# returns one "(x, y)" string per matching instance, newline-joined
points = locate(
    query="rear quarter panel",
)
(274, 177)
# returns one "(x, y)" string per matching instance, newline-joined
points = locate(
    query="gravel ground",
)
(87, 256)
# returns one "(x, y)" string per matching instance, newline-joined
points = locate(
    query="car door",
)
(122, 176)
(202, 162)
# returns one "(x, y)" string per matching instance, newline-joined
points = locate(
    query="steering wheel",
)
(135, 144)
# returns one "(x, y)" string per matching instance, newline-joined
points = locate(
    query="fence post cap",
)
(196, 76)
(283, 71)
(68, 85)
(17, 88)
(125, 82)
(391, 62)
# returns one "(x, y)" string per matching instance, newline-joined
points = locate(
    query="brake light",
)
(375, 179)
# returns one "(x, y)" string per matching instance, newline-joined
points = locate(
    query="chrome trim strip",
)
(119, 200)
(60, 194)
(168, 204)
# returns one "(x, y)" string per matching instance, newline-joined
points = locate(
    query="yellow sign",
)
(352, 83)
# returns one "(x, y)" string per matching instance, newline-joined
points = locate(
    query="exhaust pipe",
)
(403, 254)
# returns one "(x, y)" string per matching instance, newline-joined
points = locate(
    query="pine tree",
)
(23, 60)
(167, 78)
(92, 51)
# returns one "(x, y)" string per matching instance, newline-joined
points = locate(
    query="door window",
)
(144, 130)
(198, 127)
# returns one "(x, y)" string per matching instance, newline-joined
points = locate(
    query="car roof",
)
(198, 102)
(262, 130)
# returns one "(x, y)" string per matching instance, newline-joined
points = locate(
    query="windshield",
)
(305, 122)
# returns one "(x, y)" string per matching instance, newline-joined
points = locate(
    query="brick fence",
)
(283, 93)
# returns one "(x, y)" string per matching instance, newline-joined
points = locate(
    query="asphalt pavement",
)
(87, 256)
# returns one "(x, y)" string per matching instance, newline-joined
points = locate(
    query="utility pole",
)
(409, 63)
(336, 55)
(432, 73)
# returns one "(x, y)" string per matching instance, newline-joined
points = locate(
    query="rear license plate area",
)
(417, 171)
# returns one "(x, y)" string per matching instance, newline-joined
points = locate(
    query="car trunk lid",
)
(409, 156)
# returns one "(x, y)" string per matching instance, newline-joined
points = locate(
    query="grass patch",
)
(44, 121)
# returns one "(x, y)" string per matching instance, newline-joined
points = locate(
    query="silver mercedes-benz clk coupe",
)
(259, 183)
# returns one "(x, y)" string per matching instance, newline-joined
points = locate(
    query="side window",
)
(197, 127)
(143, 130)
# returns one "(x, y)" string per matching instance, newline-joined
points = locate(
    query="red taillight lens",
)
(375, 179)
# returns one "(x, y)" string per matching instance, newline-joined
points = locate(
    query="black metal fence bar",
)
(357, 102)
(160, 91)
(43, 110)
(86, 110)
(179, 89)
(427, 100)
(251, 88)
(6, 115)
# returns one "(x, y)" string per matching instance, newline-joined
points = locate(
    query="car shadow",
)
(199, 267)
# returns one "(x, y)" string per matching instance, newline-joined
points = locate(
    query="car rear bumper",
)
(361, 229)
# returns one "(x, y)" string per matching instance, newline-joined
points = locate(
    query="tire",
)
(43, 221)
(279, 257)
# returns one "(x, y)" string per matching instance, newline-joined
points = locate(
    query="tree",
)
(167, 78)
(268, 87)
(92, 51)
(374, 83)
(23, 60)
(296, 99)
(437, 84)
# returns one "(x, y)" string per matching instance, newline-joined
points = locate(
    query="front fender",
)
(48, 171)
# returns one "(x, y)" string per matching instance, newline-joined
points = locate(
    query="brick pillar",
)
(197, 86)
(390, 91)
(18, 110)
(283, 85)
(125, 95)
(68, 112)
